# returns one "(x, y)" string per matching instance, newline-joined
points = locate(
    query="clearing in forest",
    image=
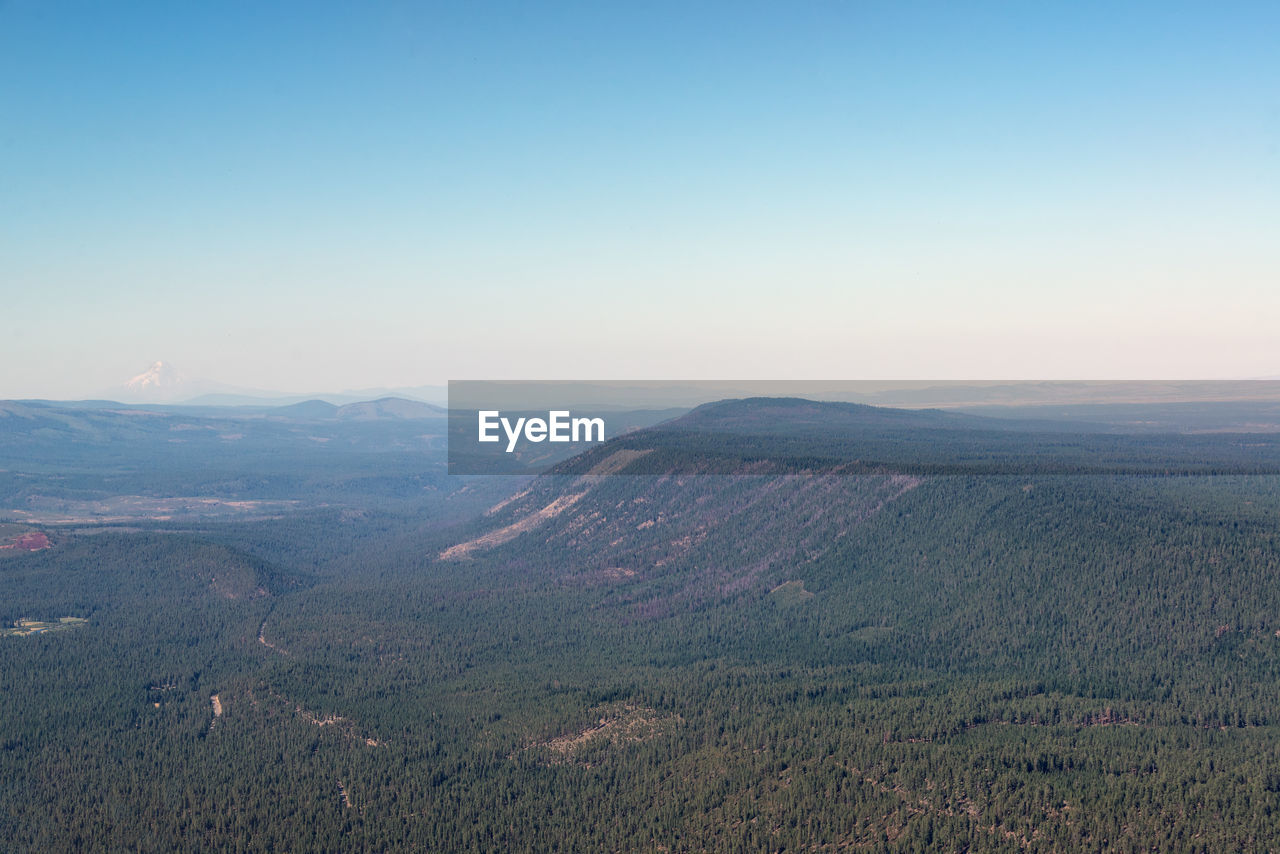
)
(24, 627)
(614, 726)
(790, 593)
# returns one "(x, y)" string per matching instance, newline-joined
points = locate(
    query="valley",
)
(740, 652)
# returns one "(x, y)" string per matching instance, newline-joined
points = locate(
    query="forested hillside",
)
(882, 661)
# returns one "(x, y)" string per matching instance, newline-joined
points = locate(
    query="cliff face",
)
(692, 538)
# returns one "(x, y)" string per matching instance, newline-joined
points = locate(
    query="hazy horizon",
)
(165, 384)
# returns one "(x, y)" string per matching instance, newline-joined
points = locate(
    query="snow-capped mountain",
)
(160, 379)
(164, 383)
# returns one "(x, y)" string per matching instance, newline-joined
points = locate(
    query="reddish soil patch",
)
(32, 542)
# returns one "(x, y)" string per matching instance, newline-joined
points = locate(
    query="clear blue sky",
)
(315, 196)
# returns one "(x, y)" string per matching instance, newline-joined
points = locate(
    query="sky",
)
(323, 196)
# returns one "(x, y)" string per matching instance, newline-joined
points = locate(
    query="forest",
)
(746, 644)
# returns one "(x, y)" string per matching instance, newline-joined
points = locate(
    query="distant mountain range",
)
(163, 383)
(382, 409)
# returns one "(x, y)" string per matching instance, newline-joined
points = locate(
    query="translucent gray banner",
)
(859, 427)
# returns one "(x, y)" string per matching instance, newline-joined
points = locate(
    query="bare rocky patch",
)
(340, 724)
(615, 725)
(617, 461)
(515, 529)
(216, 702)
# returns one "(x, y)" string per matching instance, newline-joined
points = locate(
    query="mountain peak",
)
(161, 376)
